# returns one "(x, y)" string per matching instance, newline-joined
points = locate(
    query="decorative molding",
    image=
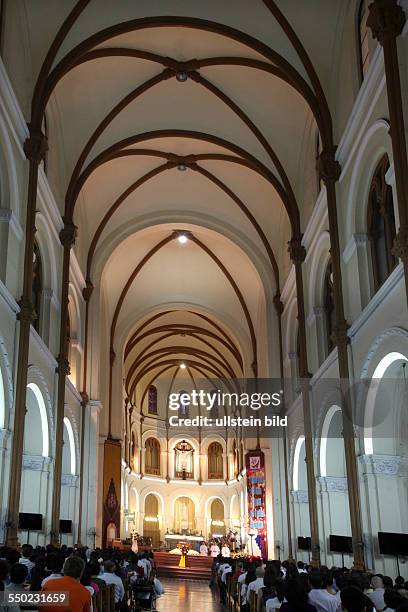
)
(356, 241)
(8, 299)
(70, 387)
(382, 294)
(39, 343)
(8, 216)
(388, 333)
(69, 480)
(333, 484)
(385, 465)
(300, 497)
(37, 463)
(4, 436)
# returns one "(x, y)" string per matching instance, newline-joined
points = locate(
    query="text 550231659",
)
(29, 598)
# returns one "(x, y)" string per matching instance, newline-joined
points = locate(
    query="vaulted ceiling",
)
(183, 115)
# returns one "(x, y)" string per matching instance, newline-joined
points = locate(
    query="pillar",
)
(386, 20)
(34, 147)
(298, 254)
(329, 170)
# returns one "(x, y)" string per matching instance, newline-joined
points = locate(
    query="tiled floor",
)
(186, 596)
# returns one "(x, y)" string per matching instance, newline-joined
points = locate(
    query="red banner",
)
(255, 475)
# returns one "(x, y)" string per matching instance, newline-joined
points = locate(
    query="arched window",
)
(329, 310)
(152, 458)
(215, 461)
(363, 37)
(152, 400)
(381, 224)
(37, 286)
(183, 410)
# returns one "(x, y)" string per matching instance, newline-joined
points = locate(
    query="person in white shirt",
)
(225, 551)
(204, 550)
(26, 552)
(377, 595)
(110, 577)
(319, 597)
(301, 567)
(227, 570)
(214, 550)
(257, 584)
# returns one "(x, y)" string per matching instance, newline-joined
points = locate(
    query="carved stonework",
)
(400, 247)
(36, 146)
(301, 497)
(333, 484)
(279, 307)
(63, 366)
(69, 480)
(385, 19)
(385, 465)
(68, 234)
(328, 167)
(339, 335)
(296, 249)
(26, 312)
(88, 290)
(35, 462)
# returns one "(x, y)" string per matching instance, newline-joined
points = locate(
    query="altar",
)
(172, 539)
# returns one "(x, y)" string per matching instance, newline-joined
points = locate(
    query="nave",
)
(188, 596)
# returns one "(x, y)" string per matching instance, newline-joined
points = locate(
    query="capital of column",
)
(85, 399)
(327, 166)
(63, 365)
(400, 247)
(27, 310)
(277, 302)
(68, 233)
(296, 249)
(385, 19)
(88, 290)
(35, 146)
(340, 336)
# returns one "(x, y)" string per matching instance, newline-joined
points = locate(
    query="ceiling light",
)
(181, 167)
(182, 238)
(181, 76)
(183, 366)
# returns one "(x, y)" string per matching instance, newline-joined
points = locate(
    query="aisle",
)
(186, 596)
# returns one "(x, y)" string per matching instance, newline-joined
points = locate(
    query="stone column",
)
(34, 147)
(298, 254)
(386, 20)
(329, 170)
(67, 237)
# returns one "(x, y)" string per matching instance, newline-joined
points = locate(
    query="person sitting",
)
(354, 600)
(54, 565)
(4, 573)
(95, 570)
(110, 577)
(377, 594)
(18, 576)
(257, 584)
(26, 554)
(393, 600)
(79, 598)
(319, 597)
(297, 599)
